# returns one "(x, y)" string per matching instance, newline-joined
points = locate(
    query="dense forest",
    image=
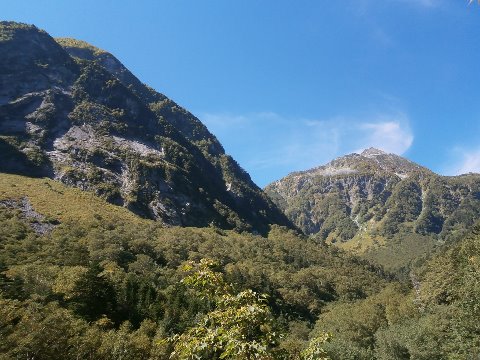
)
(85, 279)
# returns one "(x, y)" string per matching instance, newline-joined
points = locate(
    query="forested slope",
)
(81, 277)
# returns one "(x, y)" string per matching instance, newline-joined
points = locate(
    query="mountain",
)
(365, 201)
(74, 113)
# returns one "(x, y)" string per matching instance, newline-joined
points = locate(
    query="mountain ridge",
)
(74, 113)
(384, 161)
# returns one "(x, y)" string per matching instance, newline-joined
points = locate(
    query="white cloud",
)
(391, 135)
(468, 161)
(270, 146)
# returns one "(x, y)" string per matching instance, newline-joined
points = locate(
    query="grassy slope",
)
(57, 201)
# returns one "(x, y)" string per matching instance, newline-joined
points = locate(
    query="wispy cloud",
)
(390, 135)
(269, 145)
(423, 3)
(465, 161)
(381, 36)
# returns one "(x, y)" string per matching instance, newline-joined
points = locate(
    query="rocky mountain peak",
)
(372, 152)
(74, 113)
(185, 122)
(369, 161)
(365, 198)
(31, 60)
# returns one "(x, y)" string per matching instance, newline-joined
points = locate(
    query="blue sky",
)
(289, 85)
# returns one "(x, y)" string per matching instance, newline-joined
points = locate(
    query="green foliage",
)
(107, 283)
(403, 252)
(434, 320)
(17, 159)
(93, 295)
(112, 273)
(404, 206)
(240, 326)
(74, 43)
(354, 324)
(422, 338)
(203, 279)
(9, 28)
(315, 349)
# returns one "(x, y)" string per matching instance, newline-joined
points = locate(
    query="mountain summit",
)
(73, 112)
(371, 152)
(370, 160)
(362, 200)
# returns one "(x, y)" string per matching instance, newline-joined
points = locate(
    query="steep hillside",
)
(77, 115)
(365, 201)
(81, 278)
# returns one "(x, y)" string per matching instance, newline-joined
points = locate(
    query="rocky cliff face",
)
(74, 113)
(375, 194)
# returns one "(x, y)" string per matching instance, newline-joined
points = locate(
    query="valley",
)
(127, 232)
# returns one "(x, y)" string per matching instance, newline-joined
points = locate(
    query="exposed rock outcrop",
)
(74, 113)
